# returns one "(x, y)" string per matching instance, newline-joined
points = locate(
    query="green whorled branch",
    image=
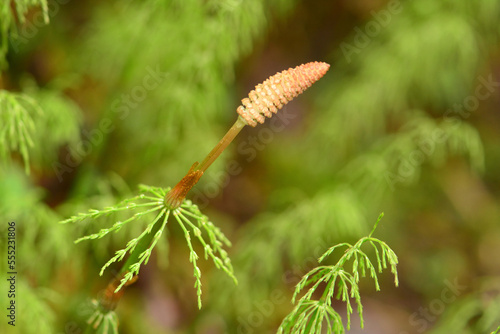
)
(17, 125)
(139, 249)
(310, 315)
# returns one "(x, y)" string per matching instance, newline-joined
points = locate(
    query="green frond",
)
(17, 115)
(309, 315)
(313, 315)
(27, 121)
(132, 244)
(149, 205)
(273, 237)
(12, 13)
(212, 249)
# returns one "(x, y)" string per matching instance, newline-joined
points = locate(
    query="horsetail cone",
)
(264, 101)
(271, 95)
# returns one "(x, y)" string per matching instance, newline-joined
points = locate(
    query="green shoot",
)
(311, 316)
(17, 125)
(150, 203)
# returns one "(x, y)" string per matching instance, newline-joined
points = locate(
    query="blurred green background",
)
(120, 93)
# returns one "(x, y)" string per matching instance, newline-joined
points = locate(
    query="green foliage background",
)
(392, 127)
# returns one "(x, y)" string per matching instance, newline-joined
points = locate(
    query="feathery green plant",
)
(309, 315)
(321, 217)
(149, 202)
(16, 116)
(33, 117)
(9, 17)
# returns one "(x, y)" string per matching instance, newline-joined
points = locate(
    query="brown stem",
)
(177, 194)
(221, 146)
(109, 298)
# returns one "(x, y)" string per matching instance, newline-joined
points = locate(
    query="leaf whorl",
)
(271, 95)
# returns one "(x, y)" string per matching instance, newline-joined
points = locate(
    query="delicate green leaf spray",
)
(312, 315)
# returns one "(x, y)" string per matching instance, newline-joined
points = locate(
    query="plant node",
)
(110, 298)
(177, 194)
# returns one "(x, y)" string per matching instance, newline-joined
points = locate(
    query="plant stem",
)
(176, 195)
(142, 245)
(221, 146)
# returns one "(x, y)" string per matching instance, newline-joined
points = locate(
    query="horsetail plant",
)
(310, 315)
(265, 100)
(158, 205)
